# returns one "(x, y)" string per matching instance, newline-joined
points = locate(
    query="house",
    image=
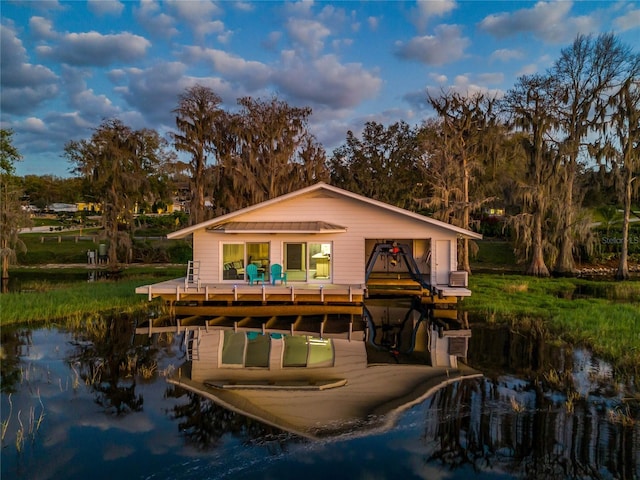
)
(333, 246)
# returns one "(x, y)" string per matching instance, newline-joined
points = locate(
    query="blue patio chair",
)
(278, 274)
(253, 275)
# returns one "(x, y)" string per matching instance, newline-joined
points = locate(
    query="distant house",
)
(322, 235)
(62, 207)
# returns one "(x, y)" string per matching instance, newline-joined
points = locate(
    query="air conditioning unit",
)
(459, 279)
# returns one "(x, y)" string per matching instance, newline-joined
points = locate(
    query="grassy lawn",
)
(601, 315)
(42, 300)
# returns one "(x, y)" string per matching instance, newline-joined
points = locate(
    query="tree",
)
(118, 163)
(12, 216)
(621, 148)
(531, 106)
(584, 72)
(268, 135)
(197, 119)
(383, 164)
(466, 124)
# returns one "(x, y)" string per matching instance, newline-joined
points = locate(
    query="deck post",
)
(350, 294)
(177, 292)
(150, 297)
(206, 293)
(235, 293)
(293, 296)
(322, 293)
(178, 326)
(264, 294)
(150, 326)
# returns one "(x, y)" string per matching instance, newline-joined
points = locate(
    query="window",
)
(246, 349)
(235, 256)
(307, 351)
(307, 261)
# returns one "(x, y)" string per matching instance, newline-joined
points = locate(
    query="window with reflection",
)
(307, 351)
(245, 349)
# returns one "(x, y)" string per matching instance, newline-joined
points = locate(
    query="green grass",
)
(47, 301)
(50, 251)
(609, 326)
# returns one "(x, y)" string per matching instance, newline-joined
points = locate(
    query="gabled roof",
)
(218, 223)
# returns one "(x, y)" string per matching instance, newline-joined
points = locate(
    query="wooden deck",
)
(200, 298)
(177, 291)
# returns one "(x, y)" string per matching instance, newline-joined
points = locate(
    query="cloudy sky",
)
(68, 65)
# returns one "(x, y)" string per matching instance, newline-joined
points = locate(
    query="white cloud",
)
(199, 15)
(548, 21)
(33, 124)
(326, 81)
(24, 85)
(41, 28)
(158, 24)
(446, 46)
(251, 74)
(309, 34)
(427, 9)
(493, 78)
(629, 20)
(94, 107)
(105, 7)
(506, 54)
(93, 48)
(373, 23)
(528, 69)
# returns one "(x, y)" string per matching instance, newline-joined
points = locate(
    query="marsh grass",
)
(609, 326)
(77, 301)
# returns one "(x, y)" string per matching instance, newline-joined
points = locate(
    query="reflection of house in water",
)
(321, 381)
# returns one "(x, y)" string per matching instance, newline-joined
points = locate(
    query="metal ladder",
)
(192, 342)
(193, 274)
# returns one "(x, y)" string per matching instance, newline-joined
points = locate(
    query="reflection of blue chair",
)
(253, 275)
(278, 274)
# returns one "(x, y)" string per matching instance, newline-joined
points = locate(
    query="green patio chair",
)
(253, 275)
(278, 274)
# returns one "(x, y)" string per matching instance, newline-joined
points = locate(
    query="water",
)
(90, 404)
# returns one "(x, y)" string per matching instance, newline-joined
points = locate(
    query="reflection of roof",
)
(261, 377)
(362, 406)
(278, 227)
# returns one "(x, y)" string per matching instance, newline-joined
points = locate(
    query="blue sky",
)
(66, 66)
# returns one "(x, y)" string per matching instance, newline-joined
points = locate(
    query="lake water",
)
(108, 403)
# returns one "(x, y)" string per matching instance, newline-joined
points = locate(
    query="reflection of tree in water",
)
(13, 341)
(203, 424)
(107, 359)
(519, 429)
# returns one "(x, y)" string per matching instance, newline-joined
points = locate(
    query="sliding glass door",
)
(307, 261)
(235, 256)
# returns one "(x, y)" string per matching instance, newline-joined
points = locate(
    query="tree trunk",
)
(623, 265)
(465, 219)
(565, 264)
(537, 267)
(5, 262)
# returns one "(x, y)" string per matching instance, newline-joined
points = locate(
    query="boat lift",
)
(397, 252)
